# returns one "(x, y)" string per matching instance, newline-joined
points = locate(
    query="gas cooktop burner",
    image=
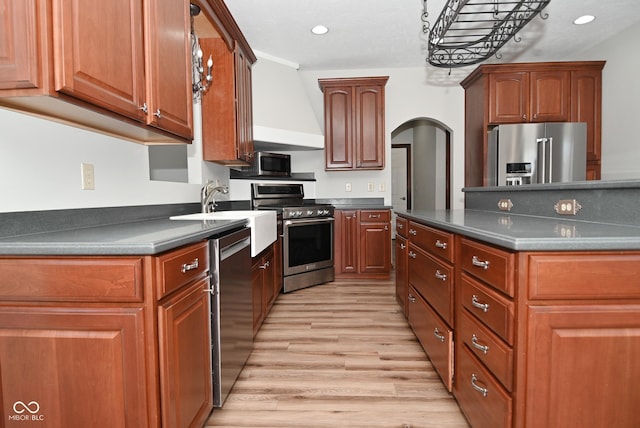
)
(289, 200)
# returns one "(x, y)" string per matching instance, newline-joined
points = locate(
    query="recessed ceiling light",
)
(584, 19)
(319, 30)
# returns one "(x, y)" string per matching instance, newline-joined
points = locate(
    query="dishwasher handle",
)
(234, 248)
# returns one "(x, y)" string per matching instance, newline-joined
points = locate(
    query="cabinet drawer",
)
(434, 336)
(402, 224)
(179, 267)
(434, 241)
(493, 352)
(584, 276)
(483, 401)
(432, 279)
(72, 279)
(493, 266)
(490, 307)
(375, 216)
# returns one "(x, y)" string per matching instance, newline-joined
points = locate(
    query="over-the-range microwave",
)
(266, 164)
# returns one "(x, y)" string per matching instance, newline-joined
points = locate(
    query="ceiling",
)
(388, 33)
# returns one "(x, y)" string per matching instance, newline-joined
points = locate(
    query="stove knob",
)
(298, 213)
(310, 213)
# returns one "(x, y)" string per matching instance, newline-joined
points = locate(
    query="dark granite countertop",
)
(531, 233)
(105, 231)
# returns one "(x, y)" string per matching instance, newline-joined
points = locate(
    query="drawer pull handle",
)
(476, 303)
(477, 345)
(484, 264)
(265, 265)
(478, 388)
(412, 254)
(374, 215)
(186, 267)
(400, 226)
(440, 244)
(402, 246)
(411, 298)
(438, 336)
(441, 275)
(413, 232)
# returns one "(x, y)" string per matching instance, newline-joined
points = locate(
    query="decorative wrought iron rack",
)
(470, 31)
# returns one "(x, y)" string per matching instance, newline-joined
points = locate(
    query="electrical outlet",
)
(505, 204)
(369, 187)
(347, 187)
(88, 178)
(381, 187)
(567, 207)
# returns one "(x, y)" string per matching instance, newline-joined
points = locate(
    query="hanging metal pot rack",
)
(470, 31)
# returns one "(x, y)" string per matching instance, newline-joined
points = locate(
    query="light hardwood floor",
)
(338, 355)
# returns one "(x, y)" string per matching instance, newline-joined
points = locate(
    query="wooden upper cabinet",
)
(20, 41)
(227, 121)
(120, 67)
(99, 53)
(549, 96)
(508, 97)
(354, 122)
(539, 96)
(169, 96)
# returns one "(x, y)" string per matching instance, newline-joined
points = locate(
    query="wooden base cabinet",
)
(264, 285)
(402, 264)
(106, 341)
(362, 247)
(542, 339)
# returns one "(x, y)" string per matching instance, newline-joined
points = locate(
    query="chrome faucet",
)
(207, 193)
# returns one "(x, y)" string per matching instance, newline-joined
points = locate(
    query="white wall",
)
(620, 104)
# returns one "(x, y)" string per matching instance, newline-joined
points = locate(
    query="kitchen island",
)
(104, 317)
(531, 317)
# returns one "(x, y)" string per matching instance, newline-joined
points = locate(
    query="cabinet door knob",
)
(438, 336)
(158, 114)
(144, 108)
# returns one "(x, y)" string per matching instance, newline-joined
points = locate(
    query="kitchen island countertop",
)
(531, 233)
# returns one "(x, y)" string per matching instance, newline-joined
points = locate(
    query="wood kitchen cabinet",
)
(128, 337)
(530, 92)
(227, 131)
(264, 294)
(113, 60)
(362, 245)
(430, 295)
(354, 118)
(542, 338)
(401, 264)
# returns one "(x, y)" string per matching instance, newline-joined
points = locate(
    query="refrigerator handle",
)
(549, 160)
(541, 162)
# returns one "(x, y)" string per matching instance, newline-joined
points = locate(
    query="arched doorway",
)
(421, 165)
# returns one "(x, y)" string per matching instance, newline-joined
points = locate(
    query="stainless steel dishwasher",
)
(231, 310)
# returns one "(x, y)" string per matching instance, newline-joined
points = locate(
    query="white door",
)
(398, 182)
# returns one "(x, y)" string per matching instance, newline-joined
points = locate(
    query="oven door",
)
(308, 245)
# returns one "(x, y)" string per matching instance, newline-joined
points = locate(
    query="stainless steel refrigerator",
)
(536, 153)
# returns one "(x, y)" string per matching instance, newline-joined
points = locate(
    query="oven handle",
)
(309, 221)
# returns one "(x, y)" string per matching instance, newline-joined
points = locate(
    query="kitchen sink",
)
(262, 223)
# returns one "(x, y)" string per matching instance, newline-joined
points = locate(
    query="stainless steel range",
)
(307, 250)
